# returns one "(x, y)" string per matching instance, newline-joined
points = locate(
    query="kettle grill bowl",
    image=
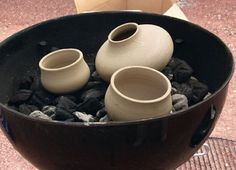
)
(156, 143)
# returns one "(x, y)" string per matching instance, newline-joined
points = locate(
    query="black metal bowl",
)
(157, 143)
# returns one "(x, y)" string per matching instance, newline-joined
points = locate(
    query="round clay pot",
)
(64, 71)
(131, 44)
(138, 92)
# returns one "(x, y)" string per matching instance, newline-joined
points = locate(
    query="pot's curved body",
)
(138, 92)
(64, 71)
(158, 143)
(148, 45)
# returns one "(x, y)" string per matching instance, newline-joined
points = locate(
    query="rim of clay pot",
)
(122, 29)
(167, 92)
(77, 52)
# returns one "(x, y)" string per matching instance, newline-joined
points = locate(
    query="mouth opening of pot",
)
(60, 59)
(141, 85)
(123, 32)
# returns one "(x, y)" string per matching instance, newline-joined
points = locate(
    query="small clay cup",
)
(64, 71)
(138, 92)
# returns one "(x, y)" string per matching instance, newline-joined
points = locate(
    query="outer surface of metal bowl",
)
(157, 143)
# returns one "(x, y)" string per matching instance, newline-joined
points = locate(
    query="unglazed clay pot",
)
(138, 92)
(64, 71)
(131, 44)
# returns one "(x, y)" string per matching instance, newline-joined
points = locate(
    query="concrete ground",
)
(217, 16)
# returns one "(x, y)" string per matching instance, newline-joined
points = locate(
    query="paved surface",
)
(216, 15)
(219, 17)
(221, 156)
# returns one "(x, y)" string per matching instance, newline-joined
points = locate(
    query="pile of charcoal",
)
(87, 105)
(186, 89)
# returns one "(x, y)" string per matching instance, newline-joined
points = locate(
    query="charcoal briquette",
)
(84, 117)
(95, 76)
(102, 102)
(35, 100)
(40, 115)
(27, 109)
(64, 108)
(46, 97)
(62, 114)
(199, 89)
(93, 93)
(41, 98)
(95, 85)
(178, 70)
(183, 88)
(66, 104)
(168, 73)
(182, 73)
(173, 91)
(173, 63)
(179, 102)
(91, 56)
(70, 97)
(49, 110)
(25, 82)
(91, 67)
(36, 85)
(90, 106)
(101, 113)
(105, 118)
(20, 97)
(53, 117)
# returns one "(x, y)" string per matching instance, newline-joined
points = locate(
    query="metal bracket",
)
(205, 151)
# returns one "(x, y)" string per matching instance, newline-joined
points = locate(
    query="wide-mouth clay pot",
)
(160, 143)
(64, 71)
(131, 44)
(138, 92)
